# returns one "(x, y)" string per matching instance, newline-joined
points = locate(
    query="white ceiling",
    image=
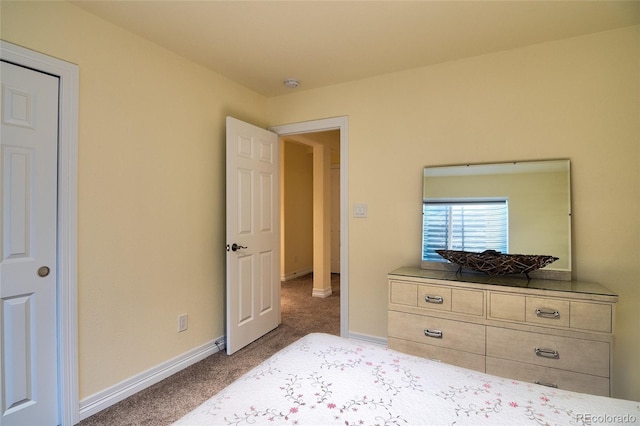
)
(261, 43)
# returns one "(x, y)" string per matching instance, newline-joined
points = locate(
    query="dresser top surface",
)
(583, 287)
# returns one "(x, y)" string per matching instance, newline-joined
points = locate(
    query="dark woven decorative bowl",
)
(493, 262)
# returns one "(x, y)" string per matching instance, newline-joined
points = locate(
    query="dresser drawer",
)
(449, 356)
(503, 306)
(541, 311)
(469, 302)
(434, 297)
(578, 355)
(439, 332)
(551, 312)
(591, 316)
(401, 293)
(451, 299)
(553, 377)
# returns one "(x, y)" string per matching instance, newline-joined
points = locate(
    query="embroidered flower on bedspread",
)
(458, 395)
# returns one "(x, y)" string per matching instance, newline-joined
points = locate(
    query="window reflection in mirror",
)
(539, 206)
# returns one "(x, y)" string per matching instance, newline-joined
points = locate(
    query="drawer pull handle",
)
(547, 353)
(549, 385)
(433, 299)
(547, 313)
(433, 333)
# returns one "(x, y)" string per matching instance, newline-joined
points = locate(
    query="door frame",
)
(336, 123)
(67, 221)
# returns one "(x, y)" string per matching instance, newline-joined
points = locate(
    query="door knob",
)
(43, 271)
(235, 247)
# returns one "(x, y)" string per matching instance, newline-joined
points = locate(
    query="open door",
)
(253, 233)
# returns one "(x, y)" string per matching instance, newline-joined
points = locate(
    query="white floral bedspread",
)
(323, 379)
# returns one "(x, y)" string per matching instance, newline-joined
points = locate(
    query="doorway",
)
(301, 132)
(299, 201)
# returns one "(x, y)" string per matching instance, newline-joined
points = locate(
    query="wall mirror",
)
(516, 208)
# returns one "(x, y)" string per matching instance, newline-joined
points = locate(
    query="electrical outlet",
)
(182, 322)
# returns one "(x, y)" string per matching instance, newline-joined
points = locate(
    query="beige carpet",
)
(170, 399)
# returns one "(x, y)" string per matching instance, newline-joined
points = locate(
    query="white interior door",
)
(253, 233)
(29, 138)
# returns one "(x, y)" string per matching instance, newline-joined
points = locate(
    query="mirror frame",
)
(504, 168)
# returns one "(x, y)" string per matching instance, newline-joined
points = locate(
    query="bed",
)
(323, 379)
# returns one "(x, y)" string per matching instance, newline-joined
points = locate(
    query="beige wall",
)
(151, 173)
(151, 189)
(577, 99)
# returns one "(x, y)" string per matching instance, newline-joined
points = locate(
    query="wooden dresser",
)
(554, 333)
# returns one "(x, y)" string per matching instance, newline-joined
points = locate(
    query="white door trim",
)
(342, 124)
(67, 279)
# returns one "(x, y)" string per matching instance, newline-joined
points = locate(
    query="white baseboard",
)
(296, 274)
(371, 339)
(321, 293)
(116, 393)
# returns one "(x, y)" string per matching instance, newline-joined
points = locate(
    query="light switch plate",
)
(360, 210)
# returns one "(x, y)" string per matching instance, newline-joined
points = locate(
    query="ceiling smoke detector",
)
(291, 83)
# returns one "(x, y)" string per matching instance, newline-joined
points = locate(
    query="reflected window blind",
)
(464, 225)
